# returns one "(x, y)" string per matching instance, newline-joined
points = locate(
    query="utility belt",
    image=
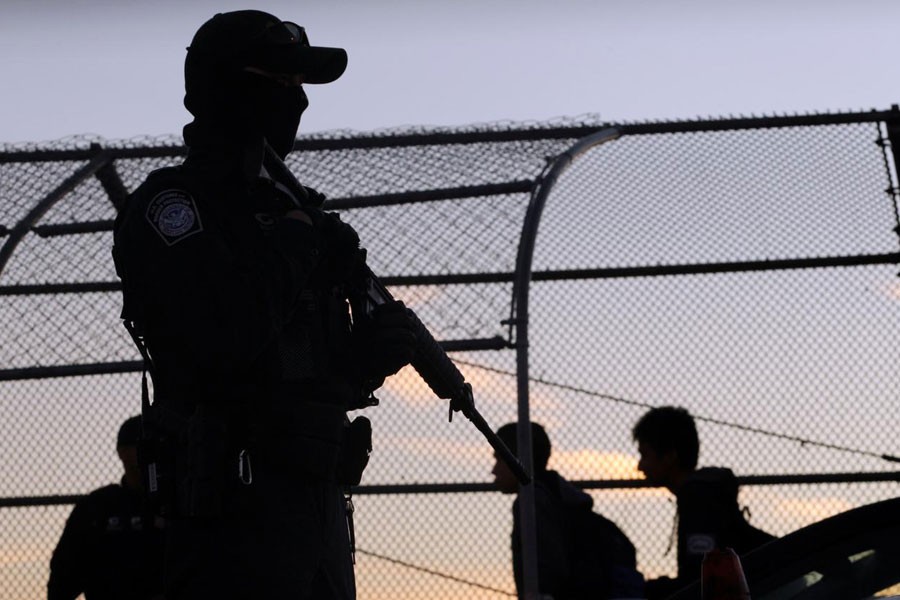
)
(197, 461)
(221, 459)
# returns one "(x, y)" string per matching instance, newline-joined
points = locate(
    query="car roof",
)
(837, 537)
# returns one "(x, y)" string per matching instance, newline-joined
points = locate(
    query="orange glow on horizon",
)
(893, 290)
(598, 464)
(812, 509)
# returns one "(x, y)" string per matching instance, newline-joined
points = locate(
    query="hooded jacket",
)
(709, 517)
(554, 497)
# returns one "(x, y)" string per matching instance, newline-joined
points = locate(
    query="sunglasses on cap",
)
(272, 34)
(298, 34)
(256, 39)
(318, 65)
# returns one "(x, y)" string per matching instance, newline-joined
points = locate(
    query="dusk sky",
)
(114, 69)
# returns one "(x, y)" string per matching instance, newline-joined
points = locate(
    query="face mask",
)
(271, 109)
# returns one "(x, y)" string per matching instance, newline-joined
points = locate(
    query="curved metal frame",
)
(523, 273)
(519, 320)
(21, 229)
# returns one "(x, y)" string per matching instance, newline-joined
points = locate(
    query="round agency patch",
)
(173, 214)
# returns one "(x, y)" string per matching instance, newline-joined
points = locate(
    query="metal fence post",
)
(542, 189)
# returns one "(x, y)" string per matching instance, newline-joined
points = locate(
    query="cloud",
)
(444, 451)
(811, 510)
(487, 387)
(409, 387)
(595, 464)
(24, 555)
(417, 297)
(894, 290)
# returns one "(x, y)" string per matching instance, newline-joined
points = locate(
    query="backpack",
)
(602, 558)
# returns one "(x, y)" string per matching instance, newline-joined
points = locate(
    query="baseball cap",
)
(252, 38)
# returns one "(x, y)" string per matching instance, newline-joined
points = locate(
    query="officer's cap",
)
(252, 38)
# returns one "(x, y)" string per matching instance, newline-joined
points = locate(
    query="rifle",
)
(436, 369)
(430, 360)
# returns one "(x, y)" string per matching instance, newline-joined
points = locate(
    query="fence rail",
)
(745, 268)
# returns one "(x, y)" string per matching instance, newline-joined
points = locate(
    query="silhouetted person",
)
(110, 548)
(580, 554)
(708, 514)
(236, 286)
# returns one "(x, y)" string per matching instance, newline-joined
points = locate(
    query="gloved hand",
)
(386, 342)
(340, 254)
(314, 197)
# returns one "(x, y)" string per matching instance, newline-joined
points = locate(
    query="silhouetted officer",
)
(236, 284)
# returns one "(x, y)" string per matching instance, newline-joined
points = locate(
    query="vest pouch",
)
(355, 450)
(156, 458)
(303, 431)
(207, 443)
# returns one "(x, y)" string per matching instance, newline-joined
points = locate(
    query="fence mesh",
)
(746, 271)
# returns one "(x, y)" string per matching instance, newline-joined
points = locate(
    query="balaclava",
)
(235, 105)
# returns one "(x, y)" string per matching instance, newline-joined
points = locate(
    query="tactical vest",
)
(287, 411)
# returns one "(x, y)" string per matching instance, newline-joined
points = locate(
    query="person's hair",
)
(129, 432)
(669, 428)
(540, 444)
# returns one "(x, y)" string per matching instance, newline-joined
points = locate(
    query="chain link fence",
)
(745, 269)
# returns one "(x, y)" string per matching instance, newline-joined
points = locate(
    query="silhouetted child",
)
(580, 554)
(708, 514)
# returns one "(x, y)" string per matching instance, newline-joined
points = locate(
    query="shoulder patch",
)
(174, 216)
